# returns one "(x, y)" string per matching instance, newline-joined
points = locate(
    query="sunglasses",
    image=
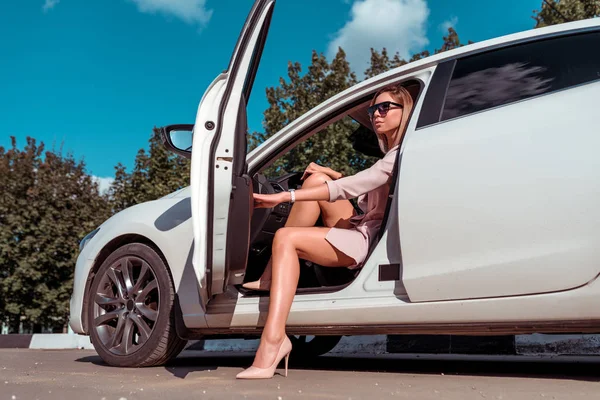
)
(383, 108)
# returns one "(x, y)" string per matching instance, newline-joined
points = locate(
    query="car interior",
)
(265, 222)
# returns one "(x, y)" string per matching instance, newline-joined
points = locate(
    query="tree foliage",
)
(381, 61)
(156, 173)
(48, 203)
(299, 94)
(554, 12)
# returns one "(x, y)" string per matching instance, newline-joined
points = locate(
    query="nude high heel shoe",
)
(267, 373)
(259, 286)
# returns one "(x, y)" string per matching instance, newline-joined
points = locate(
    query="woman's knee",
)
(282, 237)
(316, 179)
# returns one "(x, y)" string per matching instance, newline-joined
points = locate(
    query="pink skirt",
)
(351, 242)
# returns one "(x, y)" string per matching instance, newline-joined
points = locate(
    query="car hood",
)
(178, 194)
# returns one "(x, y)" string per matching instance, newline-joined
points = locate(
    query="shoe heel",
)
(287, 357)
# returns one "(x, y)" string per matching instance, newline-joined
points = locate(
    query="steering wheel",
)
(260, 215)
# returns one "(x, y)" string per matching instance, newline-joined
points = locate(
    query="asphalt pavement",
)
(81, 374)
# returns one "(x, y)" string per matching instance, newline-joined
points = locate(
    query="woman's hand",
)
(270, 200)
(314, 168)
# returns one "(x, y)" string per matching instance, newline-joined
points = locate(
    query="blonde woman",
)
(344, 242)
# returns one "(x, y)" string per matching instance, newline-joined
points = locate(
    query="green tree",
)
(554, 12)
(156, 173)
(293, 98)
(381, 62)
(48, 204)
(451, 41)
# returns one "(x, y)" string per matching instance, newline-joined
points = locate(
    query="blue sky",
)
(96, 75)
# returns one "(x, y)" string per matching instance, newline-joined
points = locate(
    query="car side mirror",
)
(178, 139)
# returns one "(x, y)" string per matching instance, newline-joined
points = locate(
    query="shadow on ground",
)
(513, 367)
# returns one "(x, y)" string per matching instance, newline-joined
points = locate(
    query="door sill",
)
(300, 291)
(469, 329)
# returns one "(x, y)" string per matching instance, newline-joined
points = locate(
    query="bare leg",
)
(306, 213)
(289, 245)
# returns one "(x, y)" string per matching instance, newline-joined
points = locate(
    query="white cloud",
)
(49, 5)
(397, 25)
(103, 183)
(190, 11)
(451, 23)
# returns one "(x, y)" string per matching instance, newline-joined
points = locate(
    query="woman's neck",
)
(388, 139)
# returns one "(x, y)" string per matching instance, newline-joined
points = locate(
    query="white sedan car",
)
(492, 225)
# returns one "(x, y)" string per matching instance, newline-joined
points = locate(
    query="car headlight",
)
(87, 238)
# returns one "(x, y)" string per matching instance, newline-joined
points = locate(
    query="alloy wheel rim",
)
(126, 305)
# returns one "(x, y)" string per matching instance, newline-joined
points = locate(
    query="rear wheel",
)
(130, 309)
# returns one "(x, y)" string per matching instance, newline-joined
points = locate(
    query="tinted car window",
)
(504, 76)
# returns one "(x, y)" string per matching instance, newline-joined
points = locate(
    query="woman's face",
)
(389, 122)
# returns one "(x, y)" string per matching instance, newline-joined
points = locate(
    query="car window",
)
(331, 147)
(523, 71)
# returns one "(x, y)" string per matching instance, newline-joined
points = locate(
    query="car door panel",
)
(199, 178)
(503, 202)
(221, 189)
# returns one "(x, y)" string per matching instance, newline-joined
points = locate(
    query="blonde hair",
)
(402, 96)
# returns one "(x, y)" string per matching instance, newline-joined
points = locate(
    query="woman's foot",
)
(263, 284)
(266, 371)
(260, 286)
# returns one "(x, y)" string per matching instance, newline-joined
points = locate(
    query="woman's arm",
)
(341, 189)
(314, 168)
(333, 174)
(316, 193)
(363, 182)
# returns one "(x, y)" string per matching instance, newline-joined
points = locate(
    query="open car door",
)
(221, 190)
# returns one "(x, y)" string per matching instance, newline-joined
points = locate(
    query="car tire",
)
(131, 309)
(310, 347)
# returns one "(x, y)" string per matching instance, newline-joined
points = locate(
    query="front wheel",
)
(130, 309)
